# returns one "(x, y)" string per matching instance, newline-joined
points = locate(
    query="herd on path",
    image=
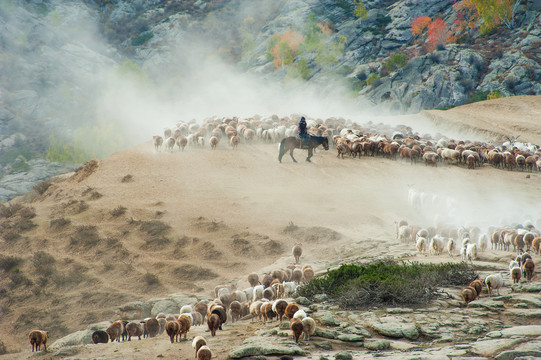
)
(353, 140)
(264, 299)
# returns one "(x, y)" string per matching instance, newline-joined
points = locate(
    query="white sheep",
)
(471, 252)
(483, 241)
(289, 288)
(436, 245)
(300, 314)
(513, 264)
(494, 282)
(421, 244)
(186, 309)
(404, 233)
(308, 327)
(258, 292)
(463, 253)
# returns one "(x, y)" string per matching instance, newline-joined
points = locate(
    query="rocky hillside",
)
(82, 79)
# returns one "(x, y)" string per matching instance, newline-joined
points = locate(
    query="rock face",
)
(257, 346)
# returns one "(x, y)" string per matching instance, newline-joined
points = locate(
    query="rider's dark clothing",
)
(302, 131)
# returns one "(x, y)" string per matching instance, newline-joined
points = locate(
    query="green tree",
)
(359, 10)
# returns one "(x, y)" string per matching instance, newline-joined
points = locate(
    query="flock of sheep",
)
(263, 300)
(524, 238)
(354, 140)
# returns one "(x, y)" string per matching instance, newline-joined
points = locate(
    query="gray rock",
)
(134, 310)
(327, 318)
(99, 326)
(525, 330)
(326, 334)
(515, 354)
(301, 300)
(81, 337)
(254, 346)
(377, 344)
(166, 307)
(344, 355)
(350, 337)
(491, 347)
(396, 329)
(6, 115)
(321, 297)
(326, 345)
(67, 351)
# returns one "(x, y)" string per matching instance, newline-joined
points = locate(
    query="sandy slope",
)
(228, 209)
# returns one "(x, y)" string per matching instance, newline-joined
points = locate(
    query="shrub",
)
(397, 61)
(496, 94)
(373, 80)
(44, 263)
(127, 178)
(151, 279)
(291, 227)
(7, 211)
(154, 227)
(155, 243)
(41, 187)
(57, 224)
(142, 38)
(387, 283)
(18, 278)
(85, 235)
(9, 262)
(118, 211)
(478, 96)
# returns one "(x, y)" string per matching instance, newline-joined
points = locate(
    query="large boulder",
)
(258, 346)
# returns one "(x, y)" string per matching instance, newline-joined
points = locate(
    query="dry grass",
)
(118, 211)
(59, 224)
(127, 178)
(85, 236)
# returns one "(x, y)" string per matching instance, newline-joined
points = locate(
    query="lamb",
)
(253, 279)
(158, 141)
(100, 336)
(204, 353)
(172, 328)
(478, 286)
(197, 343)
(297, 252)
(134, 329)
(297, 328)
(152, 327)
(307, 273)
(516, 274)
(299, 314)
(38, 338)
(494, 282)
(529, 268)
(468, 294)
(279, 307)
(291, 309)
(308, 327)
(213, 323)
(115, 330)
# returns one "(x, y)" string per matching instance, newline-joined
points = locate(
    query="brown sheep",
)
(528, 240)
(204, 353)
(201, 308)
(213, 141)
(182, 142)
(152, 327)
(267, 312)
(296, 276)
(115, 330)
(184, 326)
(38, 338)
(279, 308)
(470, 161)
(197, 318)
(530, 163)
(297, 328)
(158, 141)
(134, 329)
(536, 245)
(197, 343)
(266, 280)
(291, 309)
(529, 268)
(469, 294)
(235, 310)
(269, 294)
(478, 286)
(100, 336)
(221, 312)
(516, 274)
(235, 140)
(253, 279)
(342, 149)
(518, 243)
(307, 273)
(172, 328)
(213, 323)
(297, 252)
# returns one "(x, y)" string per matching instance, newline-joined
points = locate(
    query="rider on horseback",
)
(302, 131)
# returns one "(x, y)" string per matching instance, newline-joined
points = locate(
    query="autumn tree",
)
(439, 34)
(283, 48)
(419, 25)
(490, 14)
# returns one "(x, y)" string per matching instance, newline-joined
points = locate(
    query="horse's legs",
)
(291, 154)
(309, 154)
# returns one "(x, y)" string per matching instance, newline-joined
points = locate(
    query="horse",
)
(292, 142)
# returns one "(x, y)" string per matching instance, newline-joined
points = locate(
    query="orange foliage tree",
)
(439, 34)
(285, 48)
(419, 25)
(466, 16)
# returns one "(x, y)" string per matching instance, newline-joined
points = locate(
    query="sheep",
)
(279, 290)
(235, 140)
(182, 142)
(289, 288)
(470, 161)
(197, 343)
(291, 309)
(115, 330)
(494, 282)
(296, 276)
(296, 327)
(185, 322)
(152, 327)
(536, 245)
(471, 252)
(213, 323)
(518, 243)
(201, 308)
(513, 263)
(267, 312)
(468, 294)
(516, 274)
(204, 353)
(529, 268)
(478, 286)
(220, 311)
(307, 273)
(189, 316)
(451, 247)
(172, 328)
(436, 245)
(213, 141)
(297, 252)
(279, 307)
(158, 141)
(100, 336)
(197, 318)
(253, 279)
(186, 309)
(266, 280)
(134, 329)
(38, 338)
(299, 314)
(255, 309)
(404, 233)
(422, 233)
(269, 294)
(170, 144)
(162, 322)
(235, 311)
(308, 327)
(483, 242)
(421, 244)
(528, 240)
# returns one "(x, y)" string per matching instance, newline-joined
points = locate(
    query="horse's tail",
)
(281, 150)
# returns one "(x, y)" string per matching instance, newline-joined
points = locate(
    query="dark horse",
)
(292, 142)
